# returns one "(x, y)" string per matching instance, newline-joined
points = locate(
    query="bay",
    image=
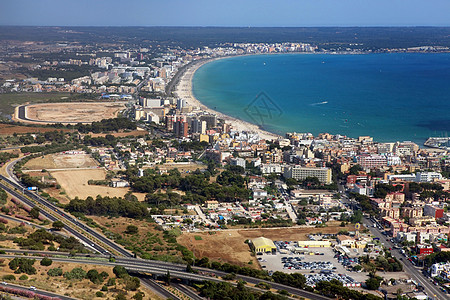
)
(392, 97)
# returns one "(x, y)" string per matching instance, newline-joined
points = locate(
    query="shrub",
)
(120, 271)
(99, 294)
(55, 272)
(131, 229)
(76, 273)
(23, 277)
(132, 284)
(22, 265)
(9, 277)
(46, 262)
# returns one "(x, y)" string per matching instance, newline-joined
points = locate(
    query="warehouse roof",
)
(263, 242)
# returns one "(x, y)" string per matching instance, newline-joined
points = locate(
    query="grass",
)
(198, 238)
(9, 100)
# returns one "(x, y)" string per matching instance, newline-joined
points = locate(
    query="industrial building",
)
(263, 245)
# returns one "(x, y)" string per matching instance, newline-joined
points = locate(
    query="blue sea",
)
(392, 97)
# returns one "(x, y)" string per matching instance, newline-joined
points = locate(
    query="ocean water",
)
(392, 97)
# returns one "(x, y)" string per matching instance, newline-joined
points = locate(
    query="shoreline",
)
(184, 91)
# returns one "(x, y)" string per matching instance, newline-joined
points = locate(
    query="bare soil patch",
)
(75, 184)
(61, 161)
(229, 245)
(73, 112)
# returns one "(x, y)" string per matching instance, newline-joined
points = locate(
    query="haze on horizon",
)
(258, 13)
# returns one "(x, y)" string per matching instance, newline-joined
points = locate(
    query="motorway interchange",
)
(106, 247)
(103, 245)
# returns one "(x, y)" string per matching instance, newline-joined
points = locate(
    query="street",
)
(415, 273)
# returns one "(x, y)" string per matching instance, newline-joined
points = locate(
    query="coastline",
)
(184, 90)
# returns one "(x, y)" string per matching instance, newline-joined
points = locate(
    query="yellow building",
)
(263, 244)
(314, 244)
(204, 138)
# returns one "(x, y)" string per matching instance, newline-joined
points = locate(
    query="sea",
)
(390, 96)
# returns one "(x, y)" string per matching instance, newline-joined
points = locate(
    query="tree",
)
(34, 212)
(58, 225)
(120, 271)
(46, 262)
(94, 276)
(132, 283)
(55, 272)
(372, 283)
(76, 273)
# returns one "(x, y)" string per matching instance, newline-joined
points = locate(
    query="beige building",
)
(300, 173)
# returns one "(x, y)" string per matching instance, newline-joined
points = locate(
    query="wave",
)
(319, 103)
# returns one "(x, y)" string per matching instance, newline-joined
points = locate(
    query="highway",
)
(37, 291)
(153, 285)
(98, 242)
(187, 291)
(415, 273)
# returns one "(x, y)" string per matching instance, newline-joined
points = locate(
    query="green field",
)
(10, 100)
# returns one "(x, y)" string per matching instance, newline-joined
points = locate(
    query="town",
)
(372, 216)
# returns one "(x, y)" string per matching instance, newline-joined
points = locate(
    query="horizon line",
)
(234, 26)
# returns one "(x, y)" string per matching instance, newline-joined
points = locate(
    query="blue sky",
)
(226, 12)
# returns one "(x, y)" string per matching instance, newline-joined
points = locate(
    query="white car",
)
(32, 288)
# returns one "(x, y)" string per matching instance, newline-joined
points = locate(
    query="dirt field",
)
(229, 246)
(183, 168)
(73, 112)
(8, 129)
(61, 161)
(75, 184)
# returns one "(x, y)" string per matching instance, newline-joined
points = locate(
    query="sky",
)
(272, 13)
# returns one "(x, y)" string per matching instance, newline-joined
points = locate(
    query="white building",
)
(271, 168)
(237, 162)
(428, 176)
(300, 173)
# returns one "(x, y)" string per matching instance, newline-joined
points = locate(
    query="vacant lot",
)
(8, 129)
(229, 245)
(75, 184)
(182, 167)
(9, 100)
(73, 112)
(61, 161)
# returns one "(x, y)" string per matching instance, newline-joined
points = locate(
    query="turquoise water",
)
(391, 97)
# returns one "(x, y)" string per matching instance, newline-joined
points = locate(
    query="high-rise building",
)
(198, 126)
(300, 173)
(181, 127)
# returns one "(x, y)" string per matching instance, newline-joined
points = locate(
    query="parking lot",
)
(322, 259)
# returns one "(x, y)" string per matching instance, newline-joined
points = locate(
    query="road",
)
(37, 291)
(415, 273)
(139, 266)
(153, 285)
(98, 242)
(92, 239)
(187, 291)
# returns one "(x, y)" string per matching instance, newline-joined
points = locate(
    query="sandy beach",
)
(184, 90)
